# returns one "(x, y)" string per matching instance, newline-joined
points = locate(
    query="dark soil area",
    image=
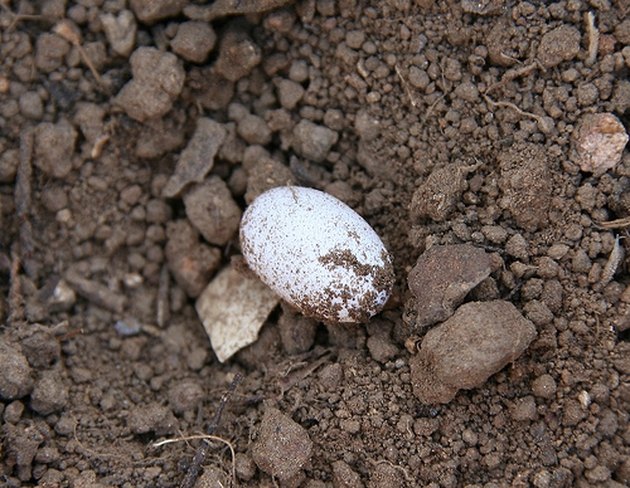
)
(482, 140)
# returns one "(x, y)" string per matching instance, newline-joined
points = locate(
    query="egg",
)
(317, 254)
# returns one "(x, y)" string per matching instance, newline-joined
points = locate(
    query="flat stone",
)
(463, 352)
(198, 158)
(442, 277)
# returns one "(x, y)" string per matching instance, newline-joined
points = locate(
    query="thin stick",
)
(593, 38)
(202, 451)
(22, 197)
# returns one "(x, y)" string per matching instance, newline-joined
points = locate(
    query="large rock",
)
(283, 447)
(463, 352)
(15, 373)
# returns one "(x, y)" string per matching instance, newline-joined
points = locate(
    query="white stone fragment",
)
(598, 142)
(233, 308)
(317, 253)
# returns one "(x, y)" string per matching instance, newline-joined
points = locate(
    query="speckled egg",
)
(317, 254)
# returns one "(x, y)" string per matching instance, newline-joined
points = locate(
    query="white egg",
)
(317, 254)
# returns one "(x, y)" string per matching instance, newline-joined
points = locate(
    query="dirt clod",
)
(15, 373)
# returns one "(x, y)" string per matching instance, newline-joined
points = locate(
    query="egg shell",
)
(317, 254)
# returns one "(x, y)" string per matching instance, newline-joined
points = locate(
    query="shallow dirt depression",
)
(134, 133)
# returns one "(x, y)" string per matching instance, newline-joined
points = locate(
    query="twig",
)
(162, 311)
(512, 74)
(22, 196)
(405, 84)
(18, 17)
(70, 33)
(593, 38)
(544, 123)
(614, 224)
(16, 305)
(96, 293)
(202, 451)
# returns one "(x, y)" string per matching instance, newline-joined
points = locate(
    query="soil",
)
(134, 133)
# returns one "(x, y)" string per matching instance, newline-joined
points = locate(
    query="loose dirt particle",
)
(158, 78)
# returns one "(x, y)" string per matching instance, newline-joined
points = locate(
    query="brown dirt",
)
(441, 122)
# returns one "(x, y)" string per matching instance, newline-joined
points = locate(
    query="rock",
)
(212, 210)
(120, 31)
(54, 147)
(148, 11)
(381, 348)
(526, 184)
(153, 417)
(439, 194)
(191, 262)
(198, 158)
(158, 79)
(463, 352)
(283, 447)
(233, 309)
(194, 41)
(21, 443)
(313, 141)
(157, 137)
(598, 142)
(50, 393)
(238, 55)
(31, 105)
(442, 277)
(15, 373)
(558, 45)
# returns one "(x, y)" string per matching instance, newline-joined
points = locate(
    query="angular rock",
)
(526, 184)
(463, 352)
(598, 142)
(283, 446)
(54, 147)
(313, 141)
(191, 262)
(15, 373)
(442, 277)
(198, 158)
(212, 210)
(158, 79)
(233, 308)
